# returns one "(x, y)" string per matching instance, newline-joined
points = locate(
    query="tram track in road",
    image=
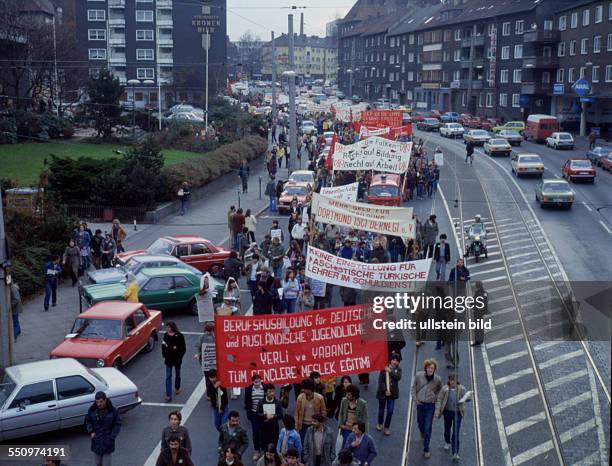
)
(552, 417)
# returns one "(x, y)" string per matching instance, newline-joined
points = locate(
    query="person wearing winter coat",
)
(426, 385)
(72, 261)
(361, 445)
(430, 233)
(250, 221)
(288, 437)
(233, 435)
(319, 443)
(277, 252)
(269, 412)
(175, 429)
(119, 235)
(103, 426)
(353, 409)
(232, 266)
(173, 454)
(264, 299)
(450, 404)
(307, 404)
(388, 392)
(109, 248)
(51, 272)
(83, 239)
(173, 350)
(243, 172)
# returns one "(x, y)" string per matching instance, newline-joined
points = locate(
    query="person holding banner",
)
(206, 340)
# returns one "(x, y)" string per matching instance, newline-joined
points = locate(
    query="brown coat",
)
(300, 406)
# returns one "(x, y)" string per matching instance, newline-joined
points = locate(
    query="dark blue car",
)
(450, 117)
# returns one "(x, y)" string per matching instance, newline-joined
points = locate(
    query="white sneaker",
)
(456, 457)
(447, 446)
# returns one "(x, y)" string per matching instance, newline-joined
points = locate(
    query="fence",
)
(95, 213)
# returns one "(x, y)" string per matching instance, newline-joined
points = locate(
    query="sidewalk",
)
(42, 331)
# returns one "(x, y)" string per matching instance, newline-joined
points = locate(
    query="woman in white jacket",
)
(250, 221)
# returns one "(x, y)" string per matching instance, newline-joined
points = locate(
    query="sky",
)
(260, 17)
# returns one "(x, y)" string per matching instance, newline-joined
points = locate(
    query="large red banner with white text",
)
(286, 348)
(382, 118)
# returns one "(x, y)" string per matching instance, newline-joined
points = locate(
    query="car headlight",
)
(100, 362)
(476, 238)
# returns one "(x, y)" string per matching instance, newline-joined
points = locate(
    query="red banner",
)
(286, 348)
(382, 118)
(385, 132)
(330, 154)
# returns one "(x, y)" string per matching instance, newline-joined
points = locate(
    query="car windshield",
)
(581, 164)
(383, 191)
(510, 133)
(498, 142)
(301, 177)
(454, 125)
(296, 191)
(530, 159)
(556, 186)
(160, 246)
(97, 328)
(6, 387)
(602, 150)
(480, 133)
(565, 136)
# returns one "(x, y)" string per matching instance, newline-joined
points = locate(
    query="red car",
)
(193, 250)
(417, 116)
(475, 122)
(490, 123)
(578, 168)
(385, 190)
(109, 334)
(606, 162)
(435, 114)
(464, 119)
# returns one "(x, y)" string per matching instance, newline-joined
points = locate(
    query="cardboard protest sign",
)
(375, 153)
(209, 356)
(348, 192)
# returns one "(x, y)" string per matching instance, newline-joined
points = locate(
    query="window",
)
(144, 15)
(145, 73)
(599, 13)
(35, 393)
(96, 34)
(609, 45)
(144, 34)
(457, 35)
(489, 101)
(197, 249)
(519, 26)
(582, 72)
(457, 55)
(181, 282)
(480, 99)
(97, 54)
(72, 386)
(503, 100)
(411, 39)
(447, 35)
(608, 73)
(139, 317)
(96, 15)
(596, 44)
(561, 49)
(518, 51)
(610, 12)
(545, 77)
(506, 29)
(410, 76)
(574, 21)
(516, 100)
(562, 23)
(391, 42)
(505, 52)
(572, 50)
(159, 284)
(144, 54)
(446, 56)
(585, 17)
(548, 24)
(584, 45)
(503, 76)
(570, 75)
(595, 74)
(560, 75)
(516, 76)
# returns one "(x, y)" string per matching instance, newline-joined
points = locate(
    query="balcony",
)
(477, 84)
(164, 4)
(540, 62)
(541, 36)
(117, 41)
(165, 59)
(116, 3)
(117, 58)
(535, 88)
(478, 41)
(165, 22)
(476, 62)
(116, 22)
(166, 41)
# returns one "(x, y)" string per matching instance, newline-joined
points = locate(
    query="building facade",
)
(156, 43)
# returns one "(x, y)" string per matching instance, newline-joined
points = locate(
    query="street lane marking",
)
(533, 261)
(480, 264)
(508, 357)
(514, 376)
(558, 409)
(498, 288)
(498, 269)
(506, 340)
(587, 206)
(525, 423)
(504, 311)
(494, 279)
(516, 256)
(505, 325)
(605, 227)
(578, 430)
(165, 405)
(545, 345)
(508, 230)
(593, 458)
(525, 272)
(500, 300)
(535, 290)
(532, 453)
(518, 398)
(560, 359)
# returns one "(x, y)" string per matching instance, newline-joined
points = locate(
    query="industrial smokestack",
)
(301, 24)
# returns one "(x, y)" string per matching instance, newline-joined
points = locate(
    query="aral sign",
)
(582, 87)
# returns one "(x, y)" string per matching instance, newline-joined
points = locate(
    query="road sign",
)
(558, 89)
(581, 87)
(588, 100)
(524, 100)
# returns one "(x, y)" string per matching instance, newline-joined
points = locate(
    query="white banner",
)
(209, 357)
(348, 192)
(374, 153)
(366, 132)
(395, 221)
(439, 159)
(396, 276)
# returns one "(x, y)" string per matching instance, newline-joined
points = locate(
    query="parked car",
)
(452, 130)
(597, 153)
(434, 114)
(449, 117)
(517, 126)
(110, 334)
(46, 396)
(540, 127)
(429, 124)
(385, 190)
(554, 192)
(134, 265)
(464, 118)
(560, 141)
(417, 116)
(355, 99)
(292, 189)
(489, 123)
(578, 168)
(193, 250)
(497, 146)
(513, 137)
(475, 122)
(477, 136)
(526, 164)
(606, 162)
(163, 288)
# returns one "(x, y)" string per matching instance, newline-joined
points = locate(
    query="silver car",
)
(55, 394)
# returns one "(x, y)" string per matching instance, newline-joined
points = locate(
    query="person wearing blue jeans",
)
(426, 386)
(51, 273)
(388, 392)
(450, 404)
(219, 400)
(173, 350)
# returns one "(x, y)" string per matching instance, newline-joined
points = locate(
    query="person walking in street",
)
(175, 429)
(233, 435)
(353, 409)
(253, 395)
(72, 261)
(308, 404)
(174, 454)
(425, 388)
(469, 152)
(82, 240)
(251, 270)
(51, 272)
(277, 253)
(592, 139)
(291, 291)
(288, 437)
(109, 247)
(271, 193)
(430, 233)
(183, 195)
(250, 221)
(441, 257)
(450, 404)
(16, 309)
(173, 350)
(480, 311)
(131, 289)
(243, 172)
(264, 299)
(230, 457)
(458, 278)
(361, 445)
(103, 426)
(230, 226)
(96, 249)
(237, 226)
(319, 443)
(219, 400)
(270, 412)
(119, 235)
(388, 392)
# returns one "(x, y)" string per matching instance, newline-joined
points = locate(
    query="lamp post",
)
(133, 83)
(292, 123)
(149, 82)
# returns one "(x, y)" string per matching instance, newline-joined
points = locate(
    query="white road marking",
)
(605, 227)
(494, 279)
(498, 269)
(593, 458)
(504, 311)
(518, 398)
(516, 256)
(508, 357)
(509, 230)
(548, 312)
(597, 415)
(545, 345)
(533, 261)
(558, 409)
(505, 325)
(249, 311)
(526, 272)
(587, 206)
(514, 376)
(535, 290)
(165, 405)
(556, 176)
(501, 227)
(525, 423)
(532, 453)
(519, 240)
(488, 262)
(505, 341)
(560, 359)
(500, 300)
(498, 288)
(576, 431)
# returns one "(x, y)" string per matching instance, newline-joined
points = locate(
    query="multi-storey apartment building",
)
(156, 42)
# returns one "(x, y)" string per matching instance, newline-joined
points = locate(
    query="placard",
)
(276, 233)
(439, 159)
(375, 153)
(348, 192)
(206, 308)
(382, 118)
(209, 356)
(317, 288)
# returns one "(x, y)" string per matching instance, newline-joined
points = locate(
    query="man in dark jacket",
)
(243, 172)
(174, 454)
(173, 350)
(388, 392)
(103, 425)
(441, 257)
(469, 152)
(271, 193)
(270, 412)
(319, 443)
(232, 267)
(232, 434)
(218, 399)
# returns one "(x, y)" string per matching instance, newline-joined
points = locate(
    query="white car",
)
(49, 395)
(452, 130)
(308, 127)
(526, 164)
(302, 176)
(477, 136)
(560, 141)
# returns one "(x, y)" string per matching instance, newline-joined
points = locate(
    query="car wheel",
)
(193, 307)
(518, 144)
(571, 148)
(117, 364)
(150, 346)
(569, 206)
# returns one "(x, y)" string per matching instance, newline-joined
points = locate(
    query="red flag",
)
(328, 161)
(332, 109)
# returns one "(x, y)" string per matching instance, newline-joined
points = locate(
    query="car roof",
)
(553, 181)
(110, 310)
(43, 370)
(163, 271)
(530, 155)
(573, 159)
(498, 140)
(179, 239)
(302, 172)
(538, 117)
(389, 179)
(154, 258)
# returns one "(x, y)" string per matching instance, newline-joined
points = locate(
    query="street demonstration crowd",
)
(328, 422)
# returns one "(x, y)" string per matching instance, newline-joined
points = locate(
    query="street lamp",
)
(133, 83)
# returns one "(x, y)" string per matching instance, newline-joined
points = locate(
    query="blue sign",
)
(524, 100)
(558, 89)
(588, 100)
(582, 87)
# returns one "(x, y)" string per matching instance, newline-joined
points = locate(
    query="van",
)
(385, 190)
(540, 127)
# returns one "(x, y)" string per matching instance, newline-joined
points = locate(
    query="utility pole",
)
(471, 72)
(292, 116)
(273, 79)
(6, 335)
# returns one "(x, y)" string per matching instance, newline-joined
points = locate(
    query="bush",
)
(35, 127)
(8, 131)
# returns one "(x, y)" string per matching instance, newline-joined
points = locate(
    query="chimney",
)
(301, 24)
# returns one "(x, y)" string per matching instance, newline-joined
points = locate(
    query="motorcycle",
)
(477, 241)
